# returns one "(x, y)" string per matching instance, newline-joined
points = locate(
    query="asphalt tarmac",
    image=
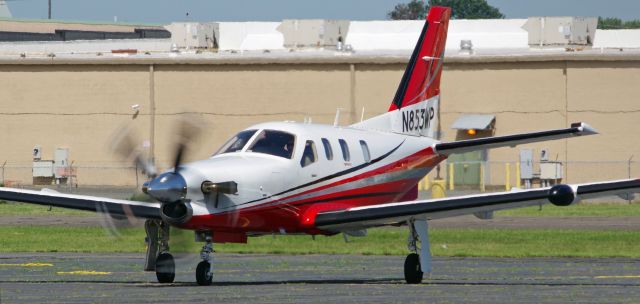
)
(81, 278)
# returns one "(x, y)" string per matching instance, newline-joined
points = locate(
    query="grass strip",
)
(24, 209)
(383, 241)
(586, 209)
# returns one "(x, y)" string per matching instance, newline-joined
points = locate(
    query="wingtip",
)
(585, 128)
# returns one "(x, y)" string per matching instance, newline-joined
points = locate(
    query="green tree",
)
(411, 11)
(460, 9)
(617, 24)
(609, 23)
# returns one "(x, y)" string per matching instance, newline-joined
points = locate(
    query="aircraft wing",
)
(462, 146)
(82, 202)
(397, 213)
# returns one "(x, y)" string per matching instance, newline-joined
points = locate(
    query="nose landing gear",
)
(204, 274)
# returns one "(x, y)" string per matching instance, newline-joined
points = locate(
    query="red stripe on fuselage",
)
(293, 216)
(422, 159)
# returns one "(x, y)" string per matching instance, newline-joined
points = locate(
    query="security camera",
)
(135, 107)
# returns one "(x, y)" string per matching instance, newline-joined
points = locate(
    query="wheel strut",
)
(204, 271)
(419, 261)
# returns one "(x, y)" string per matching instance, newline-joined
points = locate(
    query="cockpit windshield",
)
(237, 142)
(274, 142)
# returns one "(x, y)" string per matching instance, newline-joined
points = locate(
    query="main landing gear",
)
(416, 264)
(159, 259)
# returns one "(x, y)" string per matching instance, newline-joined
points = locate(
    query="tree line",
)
(480, 9)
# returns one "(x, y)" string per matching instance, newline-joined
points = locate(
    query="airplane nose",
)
(169, 187)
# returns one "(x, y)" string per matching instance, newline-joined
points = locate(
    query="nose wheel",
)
(204, 274)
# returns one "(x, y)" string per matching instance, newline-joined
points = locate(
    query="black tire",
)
(412, 270)
(203, 274)
(165, 268)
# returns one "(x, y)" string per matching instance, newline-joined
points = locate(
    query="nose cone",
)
(168, 187)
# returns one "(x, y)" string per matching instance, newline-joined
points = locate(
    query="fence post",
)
(507, 176)
(3, 166)
(629, 195)
(451, 176)
(482, 187)
(518, 182)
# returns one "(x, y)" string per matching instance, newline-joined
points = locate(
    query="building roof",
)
(499, 40)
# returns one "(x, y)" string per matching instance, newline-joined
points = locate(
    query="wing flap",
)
(395, 213)
(82, 202)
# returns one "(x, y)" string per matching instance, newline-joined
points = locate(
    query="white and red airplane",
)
(300, 178)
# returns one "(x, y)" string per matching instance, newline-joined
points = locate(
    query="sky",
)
(166, 11)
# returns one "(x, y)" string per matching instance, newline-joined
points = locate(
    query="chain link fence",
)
(20, 175)
(492, 176)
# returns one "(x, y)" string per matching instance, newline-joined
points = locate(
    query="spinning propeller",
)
(168, 188)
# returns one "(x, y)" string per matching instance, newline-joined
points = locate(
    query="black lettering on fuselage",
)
(418, 119)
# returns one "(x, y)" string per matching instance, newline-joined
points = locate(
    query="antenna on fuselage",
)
(336, 121)
(362, 115)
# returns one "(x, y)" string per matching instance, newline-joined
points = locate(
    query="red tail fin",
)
(421, 79)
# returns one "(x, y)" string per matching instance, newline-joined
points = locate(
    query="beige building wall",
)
(79, 105)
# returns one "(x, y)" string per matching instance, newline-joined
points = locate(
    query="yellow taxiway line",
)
(618, 277)
(83, 272)
(27, 265)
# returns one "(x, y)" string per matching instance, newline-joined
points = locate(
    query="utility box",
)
(43, 168)
(194, 34)
(61, 163)
(561, 31)
(313, 32)
(526, 164)
(551, 170)
(42, 172)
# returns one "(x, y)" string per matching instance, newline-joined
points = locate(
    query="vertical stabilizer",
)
(414, 107)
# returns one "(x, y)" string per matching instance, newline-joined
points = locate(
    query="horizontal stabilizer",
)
(576, 129)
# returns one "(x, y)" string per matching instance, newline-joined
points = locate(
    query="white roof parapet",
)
(247, 36)
(84, 46)
(617, 39)
(384, 35)
(402, 35)
(488, 34)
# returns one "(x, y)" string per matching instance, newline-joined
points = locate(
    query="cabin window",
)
(345, 150)
(327, 149)
(237, 142)
(365, 151)
(309, 155)
(272, 142)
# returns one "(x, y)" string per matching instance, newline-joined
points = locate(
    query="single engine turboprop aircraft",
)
(302, 178)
